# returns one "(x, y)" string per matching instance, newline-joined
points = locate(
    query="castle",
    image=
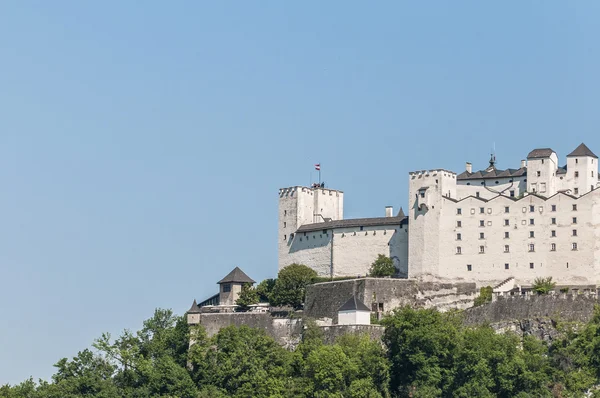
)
(540, 219)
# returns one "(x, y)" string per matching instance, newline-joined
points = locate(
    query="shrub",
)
(383, 266)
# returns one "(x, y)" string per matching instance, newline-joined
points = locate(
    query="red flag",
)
(318, 166)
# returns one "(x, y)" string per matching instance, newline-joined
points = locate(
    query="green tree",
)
(290, 287)
(264, 290)
(382, 266)
(485, 296)
(543, 285)
(247, 297)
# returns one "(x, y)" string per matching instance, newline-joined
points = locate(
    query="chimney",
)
(523, 163)
(469, 167)
(389, 211)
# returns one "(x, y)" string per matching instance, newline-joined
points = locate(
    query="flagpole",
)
(319, 173)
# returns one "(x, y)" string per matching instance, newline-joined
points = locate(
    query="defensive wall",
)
(385, 294)
(558, 307)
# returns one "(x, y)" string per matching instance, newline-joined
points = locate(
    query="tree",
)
(290, 287)
(264, 290)
(485, 296)
(247, 297)
(382, 267)
(543, 285)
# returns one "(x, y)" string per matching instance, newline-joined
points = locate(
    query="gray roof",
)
(561, 170)
(354, 304)
(194, 309)
(236, 276)
(401, 213)
(492, 173)
(540, 153)
(582, 150)
(355, 222)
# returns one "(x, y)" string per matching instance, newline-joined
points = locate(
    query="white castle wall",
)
(491, 189)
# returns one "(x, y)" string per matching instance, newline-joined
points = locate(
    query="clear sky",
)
(142, 144)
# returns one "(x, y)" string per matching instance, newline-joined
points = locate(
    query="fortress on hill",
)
(540, 219)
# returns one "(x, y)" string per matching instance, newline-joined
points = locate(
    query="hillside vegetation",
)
(425, 354)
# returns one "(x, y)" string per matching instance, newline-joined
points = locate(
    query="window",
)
(574, 207)
(285, 212)
(469, 268)
(506, 266)
(481, 235)
(477, 194)
(506, 249)
(531, 209)
(576, 174)
(531, 247)
(481, 249)
(553, 221)
(574, 246)
(422, 194)
(507, 209)
(574, 232)
(459, 211)
(481, 210)
(284, 237)
(539, 173)
(362, 228)
(458, 237)
(533, 187)
(531, 234)
(481, 223)
(574, 220)
(506, 222)
(512, 193)
(576, 161)
(531, 221)
(226, 287)
(553, 234)
(592, 173)
(458, 224)
(576, 191)
(284, 224)
(458, 250)
(553, 247)
(506, 235)
(553, 207)
(531, 265)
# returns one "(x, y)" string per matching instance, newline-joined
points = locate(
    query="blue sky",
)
(142, 146)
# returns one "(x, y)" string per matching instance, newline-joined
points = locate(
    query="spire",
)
(194, 309)
(492, 161)
(582, 150)
(401, 213)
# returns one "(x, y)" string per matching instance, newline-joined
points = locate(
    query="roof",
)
(492, 173)
(194, 309)
(540, 153)
(582, 150)
(236, 276)
(401, 213)
(355, 222)
(354, 304)
(561, 170)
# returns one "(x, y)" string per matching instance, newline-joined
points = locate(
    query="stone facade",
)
(383, 295)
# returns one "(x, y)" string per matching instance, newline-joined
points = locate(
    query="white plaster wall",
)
(312, 249)
(329, 203)
(490, 266)
(354, 250)
(588, 174)
(399, 250)
(547, 168)
(354, 318)
(466, 188)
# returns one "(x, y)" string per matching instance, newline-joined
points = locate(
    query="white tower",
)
(302, 205)
(582, 170)
(542, 165)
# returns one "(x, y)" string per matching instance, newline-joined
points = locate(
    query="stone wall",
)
(564, 307)
(385, 294)
(287, 332)
(332, 333)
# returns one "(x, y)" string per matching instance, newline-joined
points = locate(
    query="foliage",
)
(290, 287)
(383, 266)
(485, 296)
(564, 290)
(426, 354)
(247, 297)
(264, 290)
(543, 285)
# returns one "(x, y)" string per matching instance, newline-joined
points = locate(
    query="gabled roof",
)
(354, 304)
(492, 173)
(582, 150)
(540, 153)
(354, 222)
(236, 276)
(194, 309)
